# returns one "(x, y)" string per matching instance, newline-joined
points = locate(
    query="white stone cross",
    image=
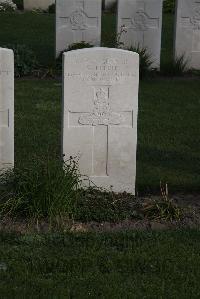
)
(100, 119)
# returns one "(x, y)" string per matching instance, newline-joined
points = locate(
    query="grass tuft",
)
(162, 208)
(44, 188)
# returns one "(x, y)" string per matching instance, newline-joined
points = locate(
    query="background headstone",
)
(100, 104)
(187, 35)
(37, 4)
(6, 108)
(143, 23)
(77, 21)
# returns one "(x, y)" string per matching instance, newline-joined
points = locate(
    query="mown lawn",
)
(168, 129)
(34, 30)
(120, 265)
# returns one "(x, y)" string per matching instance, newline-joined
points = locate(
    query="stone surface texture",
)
(37, 4)
(100, 106)
(6, 108)
(77, 21)
(187, 33)
(142, 21)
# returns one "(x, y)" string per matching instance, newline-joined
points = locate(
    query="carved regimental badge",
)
(140, 20)
(78, 19)
(102, 113)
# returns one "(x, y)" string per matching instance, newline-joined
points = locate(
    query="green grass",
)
(119, 265)
(168, 144)
(168, 130)
(37, 119)
(34, 30)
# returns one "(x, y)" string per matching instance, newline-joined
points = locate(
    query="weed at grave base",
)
(50, 191)
(44, 189)
(101, 205)
(162, 208)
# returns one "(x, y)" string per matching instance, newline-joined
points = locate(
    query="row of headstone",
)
(78, 21)
(100, 106)
(139, 24)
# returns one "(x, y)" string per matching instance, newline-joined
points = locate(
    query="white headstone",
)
(143, 23)
(6, 108)
(187, 37)
(100, 103)
(37, 4)
(77, 21)
(110, 3)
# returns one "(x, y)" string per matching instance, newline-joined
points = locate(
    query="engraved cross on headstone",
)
(140, 21)
(4, 123)
(79, 20)
(193, 23)
(101, 119)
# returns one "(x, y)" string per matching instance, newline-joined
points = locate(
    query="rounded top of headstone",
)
(102, 49)
(6, 50)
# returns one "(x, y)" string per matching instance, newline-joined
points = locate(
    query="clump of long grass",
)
(43, 189)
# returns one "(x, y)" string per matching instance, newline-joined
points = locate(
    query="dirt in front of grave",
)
(190, 205)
